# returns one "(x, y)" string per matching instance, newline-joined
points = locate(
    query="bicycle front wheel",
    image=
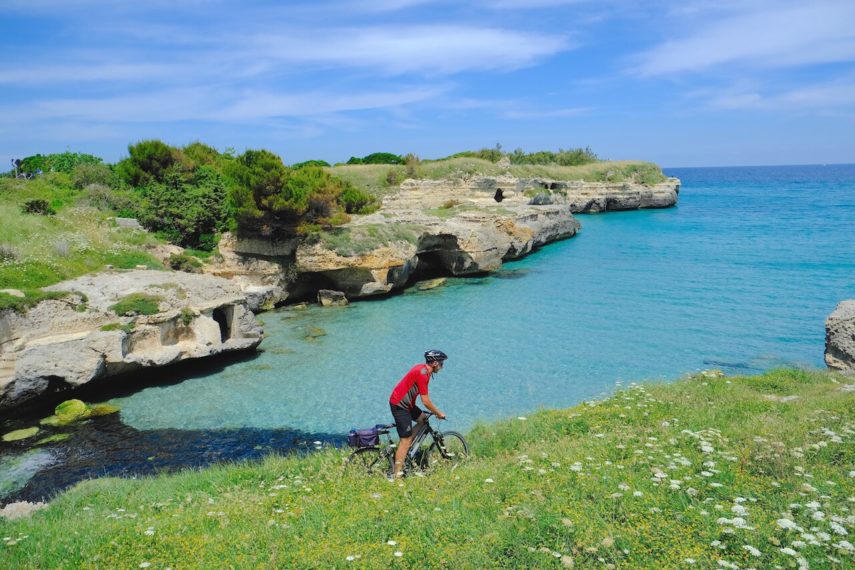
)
(368, 461)
(449, 448)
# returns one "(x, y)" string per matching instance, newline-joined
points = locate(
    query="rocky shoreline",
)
(428, 229)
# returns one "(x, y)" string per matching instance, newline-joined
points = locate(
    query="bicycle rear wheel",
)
(368, 461)
(448, 448)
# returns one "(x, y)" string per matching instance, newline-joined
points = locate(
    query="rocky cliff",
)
(62, 344)
(840, 338)
(460, 226)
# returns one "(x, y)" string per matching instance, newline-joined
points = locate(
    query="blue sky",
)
(677, 82)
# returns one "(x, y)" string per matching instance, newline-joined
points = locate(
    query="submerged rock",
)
(840, 338)
(20, 434)
(70, 410)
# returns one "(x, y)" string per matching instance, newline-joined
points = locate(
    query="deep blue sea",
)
(740, 276)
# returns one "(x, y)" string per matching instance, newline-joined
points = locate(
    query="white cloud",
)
(265, 104)
(210, 104)
(402, 49)
(834, 96)
(773, 35)
(548, 113)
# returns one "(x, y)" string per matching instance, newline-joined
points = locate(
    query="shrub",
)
(377, 158)
(137, 304)
(8, 253)
(87, 173)
(394, 177)
(105, 199)
(355, 201)
(322, 163)
(572, 157)
(450, 204)
(149, 162)
(412, 163)
(40, 207)
(201, 154)
(184, 262)
(184, 211)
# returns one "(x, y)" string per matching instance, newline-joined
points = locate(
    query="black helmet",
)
(432, 356)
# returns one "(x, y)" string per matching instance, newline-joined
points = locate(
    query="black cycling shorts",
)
(404, 419)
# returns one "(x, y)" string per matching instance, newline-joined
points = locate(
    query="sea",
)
(739, 277)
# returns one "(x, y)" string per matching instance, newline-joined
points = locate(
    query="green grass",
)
(32, 297)
(42, 250)
(356, 240)
(649, 478)
(137, 304)
(372, 178)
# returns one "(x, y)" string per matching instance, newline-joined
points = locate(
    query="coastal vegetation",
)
(708, 472)
(61, 223)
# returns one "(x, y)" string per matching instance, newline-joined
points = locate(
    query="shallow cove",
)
(740, 276)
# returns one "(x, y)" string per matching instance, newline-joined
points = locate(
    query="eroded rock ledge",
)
(62, 344)
(840, 338)
(460, 226)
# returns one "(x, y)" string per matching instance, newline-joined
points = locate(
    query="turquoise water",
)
(740, 276)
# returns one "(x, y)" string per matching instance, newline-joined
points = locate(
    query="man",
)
(403, 403)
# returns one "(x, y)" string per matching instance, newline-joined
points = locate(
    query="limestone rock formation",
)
(261, 267)
(455, 226)
(62, 344)
(840, 338)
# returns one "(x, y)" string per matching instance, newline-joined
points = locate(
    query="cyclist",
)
(403, 403)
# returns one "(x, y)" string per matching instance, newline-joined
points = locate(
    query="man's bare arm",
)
(429, 405)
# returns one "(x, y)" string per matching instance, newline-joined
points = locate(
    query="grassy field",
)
(39, 250)
(375, 178)
(747, 472)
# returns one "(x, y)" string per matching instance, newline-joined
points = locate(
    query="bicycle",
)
(446, 447)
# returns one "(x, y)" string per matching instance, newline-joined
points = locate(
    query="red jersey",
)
(414, 383)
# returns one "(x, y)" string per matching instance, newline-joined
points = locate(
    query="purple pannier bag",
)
(369, 437)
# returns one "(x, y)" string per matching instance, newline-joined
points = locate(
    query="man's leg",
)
(401, 454)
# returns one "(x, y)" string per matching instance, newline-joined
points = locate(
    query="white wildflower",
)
(391, 542)
(818, 515)
(845, 545)
(488, 480)
(789, 551)
(637, 494)
(689, 560)
(145, 564)
(753, 551)
(398, 553)
(787, 524)
(838, 529)
(726, 564)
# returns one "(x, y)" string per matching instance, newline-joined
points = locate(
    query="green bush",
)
(184, 211)
(87, 173)
(322, 163)
(40, 207)
(149, 162)
(377, 158)
(64, 162)
(184, 262)
(355, 201)
(572, 157)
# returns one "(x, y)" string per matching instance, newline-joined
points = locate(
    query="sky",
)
(676, 82)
